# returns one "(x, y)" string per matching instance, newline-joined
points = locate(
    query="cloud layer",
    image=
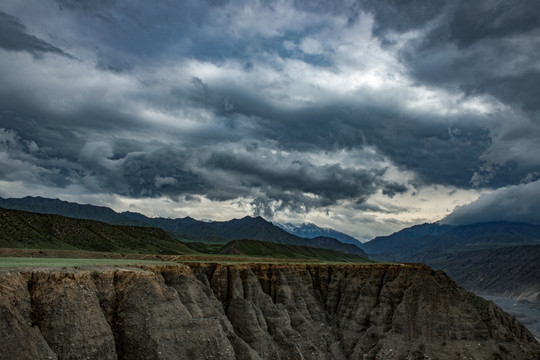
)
(282, 108)
(516, 203)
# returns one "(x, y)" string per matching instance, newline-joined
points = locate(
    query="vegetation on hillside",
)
(26, 230)
(21, 229)
(265, 249)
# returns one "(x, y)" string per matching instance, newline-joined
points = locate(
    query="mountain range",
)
(58, 207)
(181, 228)
(428, 237)
(36, 231)
(252, 228)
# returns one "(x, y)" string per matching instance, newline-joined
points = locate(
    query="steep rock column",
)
(154, 323)
(247, 318)
(206, 310)
(21, 337)
(266, 287)
(308, 317)
(68, 313)
(351, 296)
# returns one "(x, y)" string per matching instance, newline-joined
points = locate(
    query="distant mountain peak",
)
(310, 231)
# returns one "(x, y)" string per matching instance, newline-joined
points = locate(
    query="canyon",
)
(251, 311)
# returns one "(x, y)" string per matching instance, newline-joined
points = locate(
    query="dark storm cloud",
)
(473, 22)
(489, 48)
(392, 189)
(517, 203)
(386, 208)
(100, 167)
(273, 183)
(400, 16)
(438, 153)
(131, 33)
(397, 15)
(230, 100)
(23, 159)
(328, 182)
(485, 47)
(14, 37)
(127, 33)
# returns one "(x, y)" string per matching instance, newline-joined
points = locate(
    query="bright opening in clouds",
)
(362, 116)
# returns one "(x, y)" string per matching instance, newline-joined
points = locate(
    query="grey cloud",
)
(191, 198)
(398, 15)
(330, 182)
(161, 172)
(383, 208)
(486, 47)
(389, 15)
(437, 156)
(227, 150)
(96, 165)
(23, 160)
(441, 149)
(472, 22)
(517, 203)
(132, 33)
(518, 90)
(108, 165)
(431, 153)
(14, 37)
(392, 189)
(294, 201)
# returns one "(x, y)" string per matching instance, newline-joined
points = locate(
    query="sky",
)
(365, 116)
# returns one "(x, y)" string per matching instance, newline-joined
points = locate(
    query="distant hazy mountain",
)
(64, 208)
(420, 238)
(185, 228)
(331, 243)
(310, 231)
(505, 271)
(181, 228)
(405, 242)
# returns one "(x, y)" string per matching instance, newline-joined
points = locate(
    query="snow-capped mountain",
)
(310, 231)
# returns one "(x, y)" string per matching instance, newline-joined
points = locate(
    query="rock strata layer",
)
(252, 311)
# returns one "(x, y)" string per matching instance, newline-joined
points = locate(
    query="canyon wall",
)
(251, 311)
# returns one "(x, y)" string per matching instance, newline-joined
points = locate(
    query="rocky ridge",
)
(251, 311)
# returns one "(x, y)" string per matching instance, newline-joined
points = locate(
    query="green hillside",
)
(20, 229)
(285, 251)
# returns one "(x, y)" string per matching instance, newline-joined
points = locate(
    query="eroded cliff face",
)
(252, 311)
